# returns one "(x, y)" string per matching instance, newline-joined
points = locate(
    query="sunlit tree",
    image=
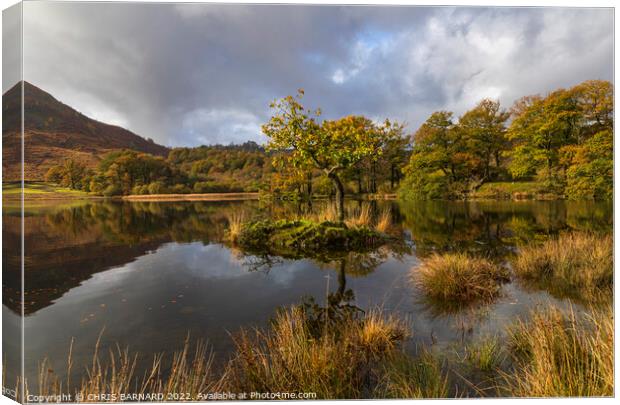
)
(331, 146)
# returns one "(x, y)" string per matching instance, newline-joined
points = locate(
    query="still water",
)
(145, 275)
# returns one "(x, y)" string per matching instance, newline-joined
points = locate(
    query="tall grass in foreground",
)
(343, 361)
(560, 355)
(459, 278)
(408, 377)
(553, 354)
(355, 357)
(580, 262)
(114, 375)
(485, 355)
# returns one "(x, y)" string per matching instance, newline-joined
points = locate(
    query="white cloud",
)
(204, 73)
(222, 126)
(501, 54)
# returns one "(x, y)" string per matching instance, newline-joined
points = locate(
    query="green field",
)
(40, 190)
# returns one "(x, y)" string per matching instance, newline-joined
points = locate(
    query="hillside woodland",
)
(559, 145)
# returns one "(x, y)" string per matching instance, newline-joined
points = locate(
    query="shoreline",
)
(192, 197)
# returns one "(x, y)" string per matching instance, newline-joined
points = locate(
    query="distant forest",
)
(560, 144)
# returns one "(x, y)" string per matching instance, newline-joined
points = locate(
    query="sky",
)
(193, 74)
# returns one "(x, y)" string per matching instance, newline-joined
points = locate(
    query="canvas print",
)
(303, 202)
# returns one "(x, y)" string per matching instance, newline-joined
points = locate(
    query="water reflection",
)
(494, 229)
(151, 272)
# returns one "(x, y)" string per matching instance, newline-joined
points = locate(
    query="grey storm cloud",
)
(191, 74)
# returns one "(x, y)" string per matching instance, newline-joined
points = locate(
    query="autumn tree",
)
(596, 102)
(555, 136)
(484, 128)
(331, 146)
(122, 171)
(70, 174)
(387, 167)
(441, 166)
(541, 129)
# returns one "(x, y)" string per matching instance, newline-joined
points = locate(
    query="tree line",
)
(204, 169)
(562, 142)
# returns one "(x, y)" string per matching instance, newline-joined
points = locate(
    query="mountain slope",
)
(53, 131)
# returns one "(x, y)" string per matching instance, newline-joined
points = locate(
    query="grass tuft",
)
(409, 377)
(113, 376)
(485, 355)
(457, 277)
(581, 263)
(235, 226)
(385, 221)
(361, 217)
(338, 363)
(560, 355)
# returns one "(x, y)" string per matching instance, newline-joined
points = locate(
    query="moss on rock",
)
(303, 236)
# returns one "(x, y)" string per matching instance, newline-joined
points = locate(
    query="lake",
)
(145, 275)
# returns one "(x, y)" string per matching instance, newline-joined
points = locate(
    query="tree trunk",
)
(339, 188)
(309, 185)
(359, 181)
(373, 173)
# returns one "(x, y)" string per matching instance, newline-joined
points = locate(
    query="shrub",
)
(140, 190)
(457, 277)
(157, 187)
(180, 189)
(322, 186)
(112, 190)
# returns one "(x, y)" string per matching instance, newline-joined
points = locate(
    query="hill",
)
(53, 132)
